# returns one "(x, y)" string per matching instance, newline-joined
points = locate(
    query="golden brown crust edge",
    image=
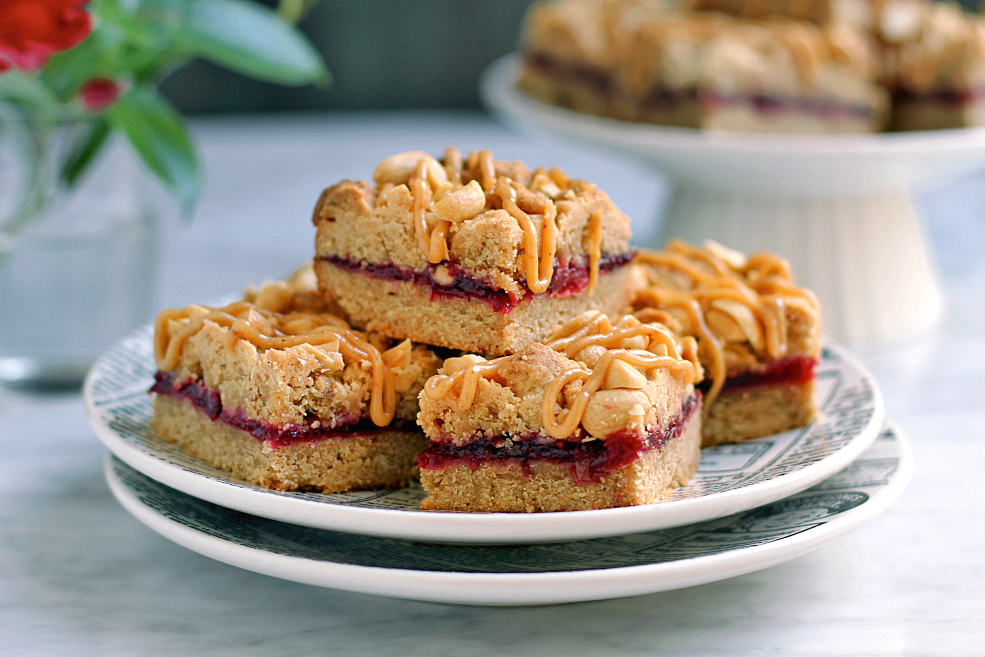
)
(505, 488)
(385, 459)
(402, 309)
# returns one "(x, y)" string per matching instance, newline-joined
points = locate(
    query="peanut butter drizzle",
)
(714, 354)
(453, 166)
(538, 250)
(540, 267)
(467, 381)
(267, 330)
(433, 243)
(590, 329)
(595, 252)
(762, 283)
(487, 168)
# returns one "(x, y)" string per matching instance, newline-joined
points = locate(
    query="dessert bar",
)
(573, 48)
(280, 393)
(933, 65)
(601, 415)
(758, 334)
(712, 71)
(470, 253)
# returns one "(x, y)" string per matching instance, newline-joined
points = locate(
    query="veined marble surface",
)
(79, 576)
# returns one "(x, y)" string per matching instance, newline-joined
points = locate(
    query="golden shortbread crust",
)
(384, 459)
(497, 487)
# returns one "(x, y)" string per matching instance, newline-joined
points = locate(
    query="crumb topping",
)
(283, 317)
(496, 218)
(637, 54)
(820, 12)
(591, 374)
(732, 54)
(931, 46)
(592, 31)
(722, 297)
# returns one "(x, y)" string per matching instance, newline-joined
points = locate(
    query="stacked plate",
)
(751, 506)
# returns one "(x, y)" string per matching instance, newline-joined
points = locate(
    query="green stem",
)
(31, 139)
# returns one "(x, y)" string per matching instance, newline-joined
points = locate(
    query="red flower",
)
(99, 93)
(31, 31)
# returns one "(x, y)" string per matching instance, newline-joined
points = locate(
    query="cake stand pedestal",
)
(838, 207)
(865, 256)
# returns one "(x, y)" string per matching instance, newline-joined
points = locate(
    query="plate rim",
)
(523, 588)
(496, 87)
(486, 528)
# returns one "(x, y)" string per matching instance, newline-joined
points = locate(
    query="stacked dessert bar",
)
(501, 310)
(600, 415)
(489, 258)
(760, 66)
(474, 254)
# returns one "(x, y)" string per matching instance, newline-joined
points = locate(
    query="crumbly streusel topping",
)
(590, 31)
(496, 220)
(931, 46)
(590, 380)
(820, 12)
(730, 55)
(744, 311)
(283, 359)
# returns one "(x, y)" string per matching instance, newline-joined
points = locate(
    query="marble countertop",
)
(79, 576)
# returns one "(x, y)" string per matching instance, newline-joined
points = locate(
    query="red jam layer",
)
(762, 103)
(952, 97)
(568, 279)
(790, 371)
(572, 72)
(601, 81)
(587, 462)
(208, 401)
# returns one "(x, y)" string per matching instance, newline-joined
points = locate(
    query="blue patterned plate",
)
(732, 478)
(528, 574)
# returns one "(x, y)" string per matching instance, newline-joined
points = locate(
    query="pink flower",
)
(31, 31)
(99, 93)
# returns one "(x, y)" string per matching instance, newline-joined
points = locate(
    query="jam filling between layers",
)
(791, 371)
(575, 72)
(601, 81)
(569, 279)
(208, 401)
(952, 97)
(588, 462)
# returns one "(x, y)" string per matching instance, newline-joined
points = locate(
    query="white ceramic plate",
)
(732, 478)
(527, 574)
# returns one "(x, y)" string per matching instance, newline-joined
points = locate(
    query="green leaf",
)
(84, 151)
(66, 71)
(252, 40)
(158, 134)
(27, 91)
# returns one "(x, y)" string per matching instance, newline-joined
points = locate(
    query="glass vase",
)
(78, 262)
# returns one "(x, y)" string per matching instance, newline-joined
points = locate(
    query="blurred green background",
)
(382, 55)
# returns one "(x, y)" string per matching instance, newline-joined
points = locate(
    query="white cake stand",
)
(839, 207)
